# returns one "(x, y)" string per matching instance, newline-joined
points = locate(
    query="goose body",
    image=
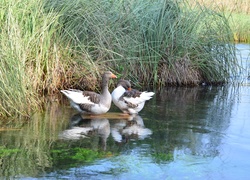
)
(91, 102)
(129, 100)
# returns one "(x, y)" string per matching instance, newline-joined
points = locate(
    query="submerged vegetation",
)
(47, 45)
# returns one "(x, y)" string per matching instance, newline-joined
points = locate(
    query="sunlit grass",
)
(24, 53)
(237, 12)
(240, 24)
(236, 6)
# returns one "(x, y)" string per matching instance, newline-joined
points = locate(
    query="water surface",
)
(182, 133)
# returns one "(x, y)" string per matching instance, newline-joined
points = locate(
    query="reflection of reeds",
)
(33, 143)
(195, 119)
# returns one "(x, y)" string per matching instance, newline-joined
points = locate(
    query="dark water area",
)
(182, 133)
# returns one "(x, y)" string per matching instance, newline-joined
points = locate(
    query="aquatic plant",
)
(161, 157)
(7, 152)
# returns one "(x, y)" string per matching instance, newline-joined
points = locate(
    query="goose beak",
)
(129, 89)
(113, 76)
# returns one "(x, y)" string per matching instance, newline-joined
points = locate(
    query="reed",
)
(35, 59)
(163, 42)
(24, 52)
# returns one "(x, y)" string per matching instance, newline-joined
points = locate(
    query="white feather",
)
(77, 96)
(142, 98)
(116, 94)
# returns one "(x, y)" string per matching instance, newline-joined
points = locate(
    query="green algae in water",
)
(7, 152)
(79, 155)
(163, 157)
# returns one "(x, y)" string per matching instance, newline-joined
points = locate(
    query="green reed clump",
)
(34, 60)
(13, 55)
(181, 45)
(152, 42)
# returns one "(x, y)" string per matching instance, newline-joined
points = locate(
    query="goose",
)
(90, 102)
(129, 101)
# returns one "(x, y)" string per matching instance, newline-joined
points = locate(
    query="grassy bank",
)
(237, 12)
(48, 45)
(236, 6)
(240, 24)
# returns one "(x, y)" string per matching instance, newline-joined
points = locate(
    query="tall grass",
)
(24, 53)
(34, 59)
(48, 45)
(153, 42)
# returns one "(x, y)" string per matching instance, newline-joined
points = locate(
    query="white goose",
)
(91, 102)
(129, 100)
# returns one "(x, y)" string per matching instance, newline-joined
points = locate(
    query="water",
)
(182, 133)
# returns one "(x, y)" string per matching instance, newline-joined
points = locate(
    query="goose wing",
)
(93, 97)
(136, 97)
(77, 96)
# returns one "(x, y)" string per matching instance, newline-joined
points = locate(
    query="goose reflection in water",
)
(84, 128)
(124, 130)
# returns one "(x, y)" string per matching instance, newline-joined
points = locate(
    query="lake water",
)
(182, 133)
